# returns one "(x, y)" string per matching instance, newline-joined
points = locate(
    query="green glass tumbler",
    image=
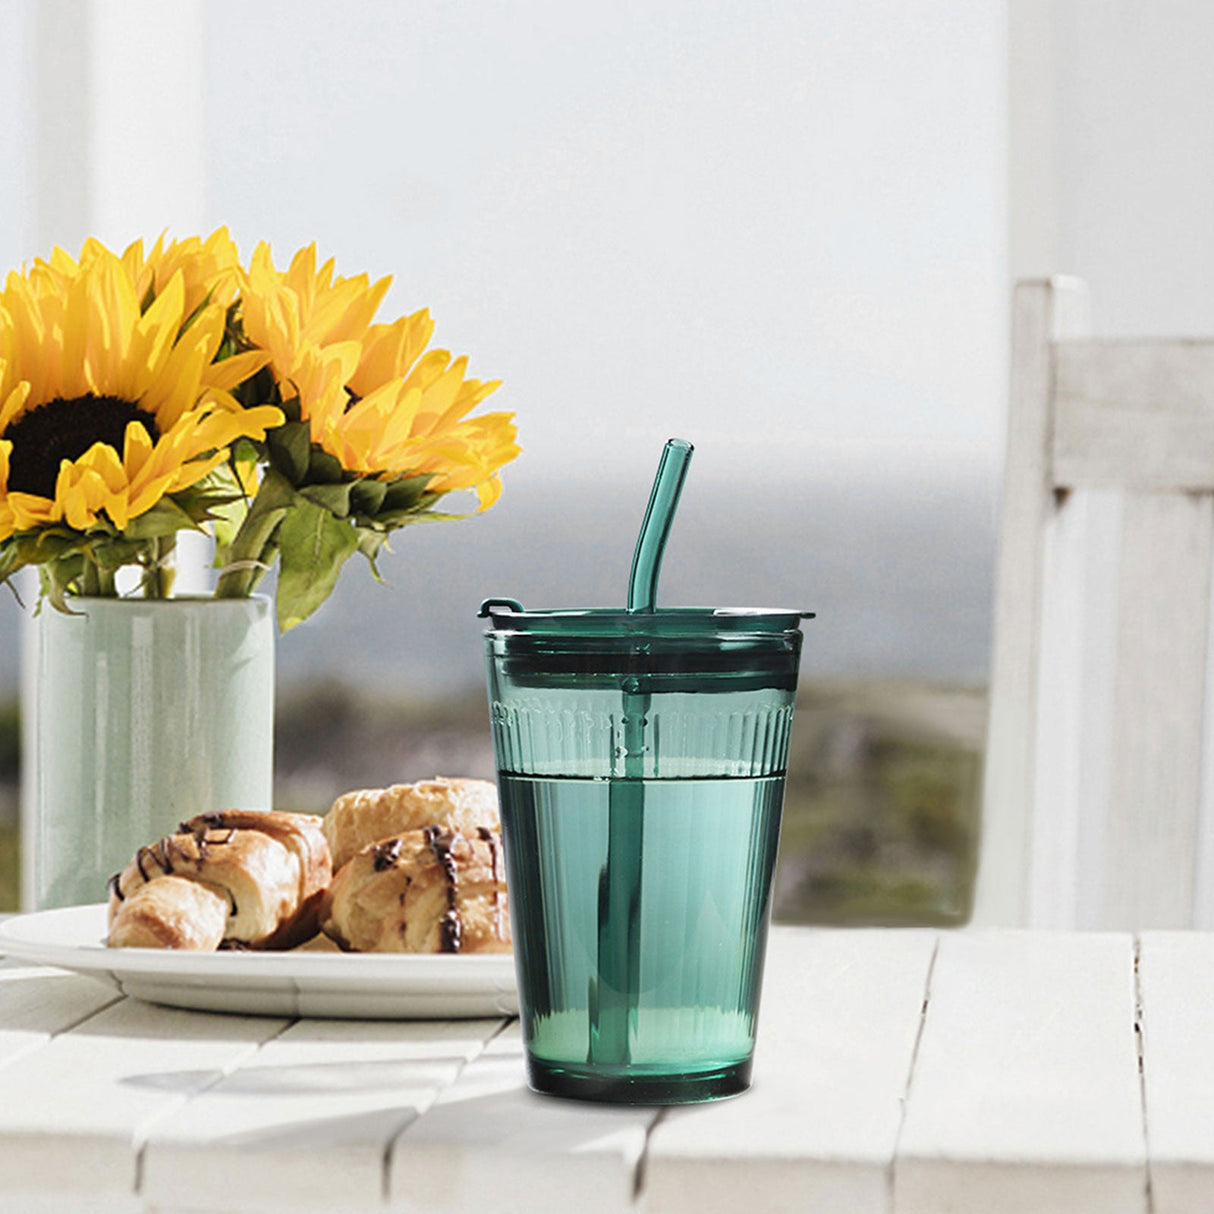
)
(641, 763)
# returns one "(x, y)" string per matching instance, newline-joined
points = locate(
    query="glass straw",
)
(655, 528)
(613, 999)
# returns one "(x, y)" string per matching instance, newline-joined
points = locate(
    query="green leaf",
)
(206, 507)
(40, 547)
(112, 554)
(406, 493)
(57, 578)
(367, 496)
(255, 536)
(370, 541)
(314, 546)
(225, 501)
(225, 522)
(324, 469)
(10, 559)
(274, 493)
(334, 498)
(402, 518)
(243, 450)
(290, 447)
(166, 517)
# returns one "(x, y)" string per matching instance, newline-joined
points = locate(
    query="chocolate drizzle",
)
(213, 818)
(386, 855)
(201, 827)
(114, 884)
(487, 836)
(160, 853)
(450, 926)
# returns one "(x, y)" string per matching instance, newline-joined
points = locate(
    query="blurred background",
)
(786, 231)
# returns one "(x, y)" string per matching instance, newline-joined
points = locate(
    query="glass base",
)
(634, 1085)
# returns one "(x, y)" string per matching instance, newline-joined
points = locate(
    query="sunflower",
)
(209, 268)
(407, 421)
(109, 396)
(372, 396)
(292, 312)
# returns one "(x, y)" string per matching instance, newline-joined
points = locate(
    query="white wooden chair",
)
(1099, 792)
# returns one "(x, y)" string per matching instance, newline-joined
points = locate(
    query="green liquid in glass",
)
(677, 1022)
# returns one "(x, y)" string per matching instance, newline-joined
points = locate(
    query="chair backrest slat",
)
(1074, 679)
(1134, 414)
(1042, 313)
(1158, 702)
(1099, 792)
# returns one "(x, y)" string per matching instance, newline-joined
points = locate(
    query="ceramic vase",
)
(146, 712)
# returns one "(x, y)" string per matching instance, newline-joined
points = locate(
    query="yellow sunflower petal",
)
(102, 459)
(73, 370)
(154, 334)
(390, 350)
(81, 493)
(223, 427)
(428, 369)
(30, 511)
(487, 492)
(144, 497)
(231, 372)
(136, 448)
(14, 405)
(191, 473)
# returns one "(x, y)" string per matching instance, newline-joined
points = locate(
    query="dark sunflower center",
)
(66, 429)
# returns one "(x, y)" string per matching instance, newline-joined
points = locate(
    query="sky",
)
(764, 227)
(775, 229)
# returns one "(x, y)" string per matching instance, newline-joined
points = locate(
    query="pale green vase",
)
(145, 713)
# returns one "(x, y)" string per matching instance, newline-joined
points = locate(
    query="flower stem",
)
(90, 580)
(159, 572)
(255, 545)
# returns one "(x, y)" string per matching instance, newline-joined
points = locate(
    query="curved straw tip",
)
(655, 527)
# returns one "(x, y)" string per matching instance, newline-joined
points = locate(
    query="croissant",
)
(358, 819)
(424, 891)
(235, 878)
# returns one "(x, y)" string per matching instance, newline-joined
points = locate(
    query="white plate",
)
(372, 986)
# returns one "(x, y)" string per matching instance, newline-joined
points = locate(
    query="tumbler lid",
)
(509, 615)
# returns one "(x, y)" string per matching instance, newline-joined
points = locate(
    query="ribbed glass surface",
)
(570, 733)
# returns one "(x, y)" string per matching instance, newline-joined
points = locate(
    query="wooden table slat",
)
(1018, 1089)
(1026, 1093)
(490, 1144)
(308, 1120)
(837, 1028)
(36, 1003)
(74, 1111)
(1176, 980)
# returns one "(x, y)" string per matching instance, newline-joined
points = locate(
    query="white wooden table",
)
(896, 1071)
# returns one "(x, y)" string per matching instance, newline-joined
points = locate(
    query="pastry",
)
(361, 818)
(424, 891)
(234, 878)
